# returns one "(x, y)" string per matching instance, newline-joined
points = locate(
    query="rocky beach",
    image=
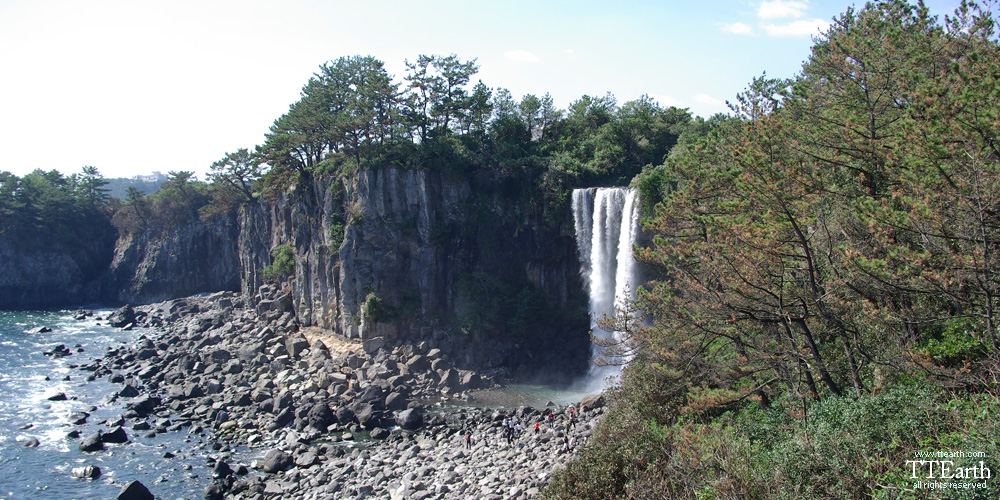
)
(283, 411)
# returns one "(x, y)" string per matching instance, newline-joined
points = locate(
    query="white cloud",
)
(780, 9)
(665, 100)
(521, 56)
(802, 27)
(737, 28)
(707, 99)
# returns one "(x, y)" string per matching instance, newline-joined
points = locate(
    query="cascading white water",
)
(607, 223)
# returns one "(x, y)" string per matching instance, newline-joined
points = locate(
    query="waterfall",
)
(607, 223)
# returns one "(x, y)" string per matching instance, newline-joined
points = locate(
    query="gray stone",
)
(277, 461)
(86, 472)
(121, 317)
(371, 346)
(306, 459)
(592, 402)
(410, 419)
(144, 405)
(418, 363)
(135, 491)
(115, 436)
(128, 391)
(92, 442)
(295, 344)
(221, 355)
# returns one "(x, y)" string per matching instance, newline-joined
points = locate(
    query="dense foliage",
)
(353, 115)
(827, 276)
(179, 200)
(55, 213)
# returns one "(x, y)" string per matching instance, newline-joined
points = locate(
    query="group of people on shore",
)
(511, 429)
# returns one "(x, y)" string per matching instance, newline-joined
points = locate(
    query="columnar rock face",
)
(418, 241)
(194, 258)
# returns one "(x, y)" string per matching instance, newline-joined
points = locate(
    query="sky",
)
(132, 87)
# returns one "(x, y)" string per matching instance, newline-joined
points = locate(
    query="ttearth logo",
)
(939, 470)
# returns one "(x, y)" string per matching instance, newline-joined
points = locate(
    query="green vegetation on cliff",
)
(827, 273)
(353, 115)
(52, 213)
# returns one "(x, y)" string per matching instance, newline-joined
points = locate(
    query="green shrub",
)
(955, 342)
(282, 263)
(337, 229)
(375, 308)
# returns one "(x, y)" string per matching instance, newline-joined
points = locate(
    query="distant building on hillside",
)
(156, 176)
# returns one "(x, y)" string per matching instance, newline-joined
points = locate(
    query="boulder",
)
(92, 442)
(144, 405)
(372, 395)
(144, 354)
(135, 491)
(295, 344)
(115, 436)
(215, 491)
(31, 442)
(222, 469)
(418, 363)
(86, 472)
(248, 352)
(58, 397)
(284, 418)
(277, 461)
(346, 415)
(368, 417)
(371, 346)
(395, 402)
(78, 418)
(591, 402)
(320, 416)
(193, 391)
(122, 317)
(471, 380)
(221, 356)
(128, 391)
(410, 419)
(306, 459)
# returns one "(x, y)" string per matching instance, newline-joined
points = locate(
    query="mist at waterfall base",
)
(28, 378)
(607, 224)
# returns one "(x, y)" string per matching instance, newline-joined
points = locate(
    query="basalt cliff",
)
(399, 254)
(414, 254)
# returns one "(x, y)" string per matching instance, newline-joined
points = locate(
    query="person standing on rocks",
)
(536, 427)
(468, 441)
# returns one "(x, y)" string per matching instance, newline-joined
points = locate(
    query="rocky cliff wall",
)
(40, 273)
(197, 257)
(434, 257)
(38, 279)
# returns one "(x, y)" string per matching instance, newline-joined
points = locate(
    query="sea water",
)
(28, 378)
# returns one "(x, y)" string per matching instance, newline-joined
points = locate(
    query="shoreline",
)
(259, 381)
